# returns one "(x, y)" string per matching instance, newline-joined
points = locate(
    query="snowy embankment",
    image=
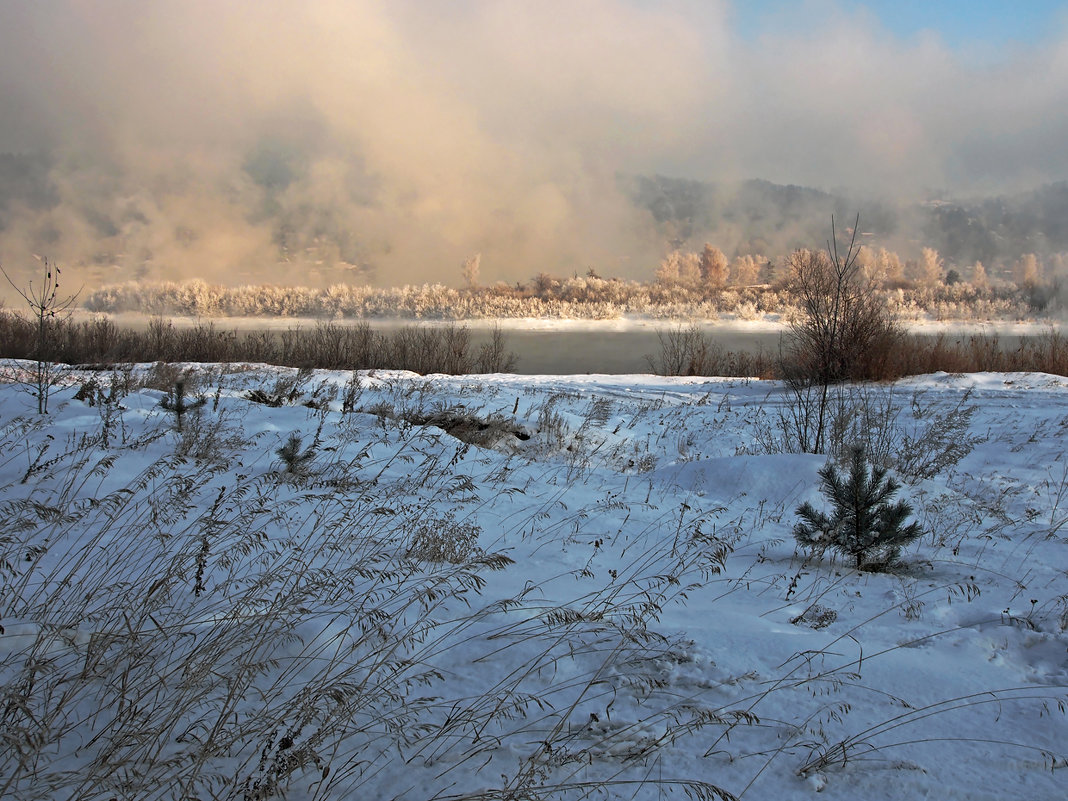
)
(589, 588)
(727, 323)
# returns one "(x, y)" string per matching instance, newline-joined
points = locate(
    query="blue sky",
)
(958, 23)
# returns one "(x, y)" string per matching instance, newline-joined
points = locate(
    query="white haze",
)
(178, 133)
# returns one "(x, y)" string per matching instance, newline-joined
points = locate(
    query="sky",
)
(959, 24)
(197, 138)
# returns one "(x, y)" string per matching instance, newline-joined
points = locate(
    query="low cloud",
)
(315, 142)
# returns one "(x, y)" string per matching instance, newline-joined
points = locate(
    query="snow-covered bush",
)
(578, 297)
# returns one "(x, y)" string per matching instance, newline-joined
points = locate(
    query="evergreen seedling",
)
(292, 455)
(865, 524)
(175, 401)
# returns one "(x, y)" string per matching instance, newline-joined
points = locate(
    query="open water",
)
(571, 348)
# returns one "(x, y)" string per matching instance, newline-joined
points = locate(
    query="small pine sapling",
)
(865, 524)
(294, 458)
(176, 401)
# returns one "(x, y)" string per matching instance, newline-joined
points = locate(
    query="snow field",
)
(612, 607)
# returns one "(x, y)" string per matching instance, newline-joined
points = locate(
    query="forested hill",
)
(82, 212)
(762, 217)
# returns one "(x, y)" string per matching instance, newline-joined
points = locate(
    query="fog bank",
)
(359, 140)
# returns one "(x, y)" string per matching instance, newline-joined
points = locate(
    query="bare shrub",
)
(48, 310)
(864, 417)
(16, 335)
(287, 389)
(1047, 353)
(935, 441)
(206, 343)
(164, 375)
(106, 396)
(795, 423)
(162, 344)
(350, 396)
(209, 438)
(333, 346)
(494, 356)
(685, 350)
(918, 444)
(424, 349)
(844, 332)
(430, 349)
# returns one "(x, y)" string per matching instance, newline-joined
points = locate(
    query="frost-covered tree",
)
(888, 267)
(679, 267)
(979, 279)
(868, 264)
(1027, 272)
(470, 269)
(745, 271)
(713, 266)
(668, 271)
(865, 523)
(544, 285)
(689, 268)
(931, 267)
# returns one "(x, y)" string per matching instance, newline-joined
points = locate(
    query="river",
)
(566, 347)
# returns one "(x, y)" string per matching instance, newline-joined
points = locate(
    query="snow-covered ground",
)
(590, 588)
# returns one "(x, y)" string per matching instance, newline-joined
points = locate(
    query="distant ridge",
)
(765, 217)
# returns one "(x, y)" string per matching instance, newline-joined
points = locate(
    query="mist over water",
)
(387, 141)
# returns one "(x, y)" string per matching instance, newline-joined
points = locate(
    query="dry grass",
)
(213, 629)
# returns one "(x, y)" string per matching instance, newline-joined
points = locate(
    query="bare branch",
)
(45, 306)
